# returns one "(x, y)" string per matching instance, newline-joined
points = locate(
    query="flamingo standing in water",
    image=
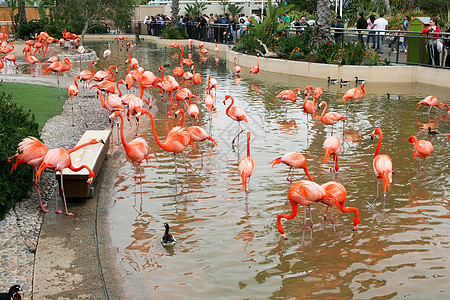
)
(432, 101)
(331, 118)
(422, 149)
(59, 159)
(293, 160)
(354, 94)
(11, 58)
(340, 193)
(216, 48)
(332, 145)
(58, 67)
(236, 68)
(31, 151)
(190, 43)
(246, 165)
(382, 165)
(255, 69)
(177, 140)
(309, 106)
(305, 193)
(137, 149)
(32, 60)
(107, 52)
(236, 113)
(289, 95)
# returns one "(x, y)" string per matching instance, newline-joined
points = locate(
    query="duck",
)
(359, 81)
(432, 132)
(13, 293)
(332, 81)
(392, 97)
(344, 82)
(167, 239)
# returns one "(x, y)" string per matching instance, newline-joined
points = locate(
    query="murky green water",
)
(228, 245)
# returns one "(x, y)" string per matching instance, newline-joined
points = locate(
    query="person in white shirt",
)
(380, 24)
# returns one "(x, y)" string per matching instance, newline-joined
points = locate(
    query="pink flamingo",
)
(330, 118)
(340, 193)
(236, 68)
(246, 165)
(382, 165)
(305, 193)
(32, 60)
(31, 151)
(422, 149)
(309, 107)
(332, 145)
(86, 75)
(216, 48)
(72, 90)
(107, 52)
(293, 160)
(288, 95)
(236, 113)
(11, 58)
(255, 69)
(354, 94)
(103, 75)
(58, 67)
(59, 159)
(432, 101)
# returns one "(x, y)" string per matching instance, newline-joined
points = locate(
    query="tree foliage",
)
(234, 9)
(195, 9)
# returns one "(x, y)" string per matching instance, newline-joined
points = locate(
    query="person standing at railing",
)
(339, 33)
(371, 26)
(361, 24)
(447, 49)
(211, 31)
(406, 26)
(147, 23)
(380, 24)
(432, 48)
(400, 36)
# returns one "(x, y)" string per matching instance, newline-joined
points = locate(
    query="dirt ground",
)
(53, 49)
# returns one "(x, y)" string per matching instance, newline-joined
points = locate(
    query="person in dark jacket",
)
(361, 24)
(339, 33)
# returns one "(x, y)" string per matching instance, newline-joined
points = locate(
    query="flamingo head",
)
(356, 222)
(114, 114)
(322, 103)
(412, 139)
(376, 131)
(180, 111)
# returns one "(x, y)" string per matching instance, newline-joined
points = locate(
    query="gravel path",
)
(19, 230)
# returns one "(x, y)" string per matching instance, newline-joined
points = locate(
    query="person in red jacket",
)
(432, 49)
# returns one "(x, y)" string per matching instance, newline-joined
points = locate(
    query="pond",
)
(228, 243)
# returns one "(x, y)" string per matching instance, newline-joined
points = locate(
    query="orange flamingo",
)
(422, 149)
(193, 110)
(6, 49)
(317, 93)
(236, 68)
(255, 69)
(340, 193)
(103, 75)
(105, 86)
(332, 145)
(177, 140)
(246, 165)
(137, 149)
(382, 165)
(86, 75)
(112, 103)
(309, 107)
(58, 67)
(11, 58)
(197, 77)
(132, 62)
(196, 133)
(293, 160)
(236, 113)
(330, 118)
(354, 94)
(212, 83)
(305, 193)
(72, 90)
(174, 45)
(107, 52)
(432, 101)
(31, 151)
(289, 95)
(216, 48)
(32, 60)
(59, 159)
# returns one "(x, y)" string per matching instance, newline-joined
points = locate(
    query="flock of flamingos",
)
(33, 152)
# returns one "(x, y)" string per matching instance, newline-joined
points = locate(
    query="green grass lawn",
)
(43, 101)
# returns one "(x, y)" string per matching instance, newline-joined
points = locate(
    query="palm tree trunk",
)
(323, 22)
(388, 7)
(175, 11)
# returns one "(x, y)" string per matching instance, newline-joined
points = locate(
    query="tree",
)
(323, 22)
(175, 11)
(234, 9)
(388, 7)
(20, 17)
(224, 4)
(195, 9)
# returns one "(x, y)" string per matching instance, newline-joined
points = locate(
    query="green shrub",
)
(174, 33)
(353, 53)
(15, 124)
(328, 53)
(297, 54)
(29, 29)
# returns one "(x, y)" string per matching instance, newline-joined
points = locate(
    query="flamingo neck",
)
(295, 93)
(102, 102)
(122, 137)
(120, 92)
(307, 173)
(443, 104)
(162, 75)
(380, 134)
(324, 111)
(67, 61)
(182, 117)
(81, 146)
(92, 67)
(228, 108)
(76, 169)
(310, 89)
(113, 76)
(181, 57)
(76, 83)
(144, 111)
(363, 90)
(351, 209)
(190, 96)
(248, 145)
(294, 207)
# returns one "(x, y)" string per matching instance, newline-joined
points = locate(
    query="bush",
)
(15, 124)
(174, 33)
(30, 29)
(327, 53)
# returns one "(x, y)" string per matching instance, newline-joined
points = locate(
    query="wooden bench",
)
(75, 185)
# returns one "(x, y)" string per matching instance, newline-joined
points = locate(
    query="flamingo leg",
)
(59, 89)
(325, 215)
(175, 160)
(420, 164)
(310, 219)
(81, 110)
(291, 172)
(56, 200)
(304, 223)
(332, 220)
(71, 100)
(242, 130)
(384, 199)
(377, 193)
(38, 193)
(64, 196)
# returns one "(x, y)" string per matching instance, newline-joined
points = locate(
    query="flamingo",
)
(246, 165)
(212, 83)
(236, 113)
(432, 101)
(354, 94)
(236, 68)
(330, 118)
(216, 48)
(193, 110)
(58, 67)
(103, 75)
(187, 76)
(6, 49)
(51, 59)
(289, 95)
(32, 60)
(86, 75)
(197, 77)
(174, 45)
(59, 159)
(332, 145)
(112, 103)
(382, 165)
(309, 107)
(317, 93)
(196, 133)
(72, 90)
(31, 151)
(105, 86)
(137, 149)
(293, 160)
(132, 62)
(305, 193)
(107, 52)
(255, 69)
(190, 43)
(340, 193)
(422, 149)
(177, 140)
(11, 58)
